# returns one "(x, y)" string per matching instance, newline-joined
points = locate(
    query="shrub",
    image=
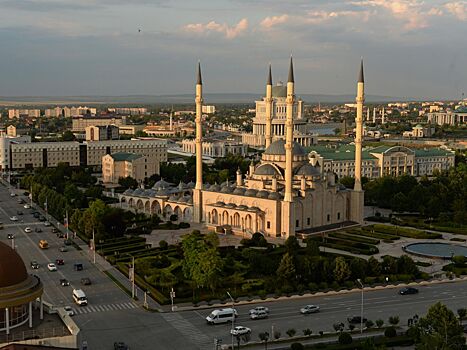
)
(338, 327)
(390, 332)
(369, 324)
(307, 332)
(462, 313)
(312, 286)
(394, 320)
(459, 260)
(184, 225)
(345, 338)
(277, 334)
(163, 245)
(297, 346)
(291, 332)
(351, 327)
(379, 323)
(321, 333)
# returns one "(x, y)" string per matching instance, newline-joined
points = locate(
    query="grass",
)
(404, 232)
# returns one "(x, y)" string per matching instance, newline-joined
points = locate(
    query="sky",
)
(411, 48)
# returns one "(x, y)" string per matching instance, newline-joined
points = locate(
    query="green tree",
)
(128, 182)
(68, 136)
(286, 272)
(292, 245)
(439, 330)
(394, 320)
(341, 270)
(345, 338)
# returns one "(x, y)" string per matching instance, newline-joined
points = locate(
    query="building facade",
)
(419, 131)
(81, 122)
(216, 148)
(209, 109)
(102, 132)
(121, 165)
(455, 117)
(17, 113)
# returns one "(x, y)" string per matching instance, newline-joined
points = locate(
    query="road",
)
(112, 316)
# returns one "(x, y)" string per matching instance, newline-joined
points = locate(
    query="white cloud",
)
(458, 9)
(270, 22)
(229, 32)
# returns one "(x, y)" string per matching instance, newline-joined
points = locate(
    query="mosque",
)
(283, 195)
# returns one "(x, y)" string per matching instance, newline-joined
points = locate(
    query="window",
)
(297, 223)
(329, 217)
(338, 216)
(268, 224)
(308, 221)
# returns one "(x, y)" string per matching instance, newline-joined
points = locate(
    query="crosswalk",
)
(103, 308)
(201, 340)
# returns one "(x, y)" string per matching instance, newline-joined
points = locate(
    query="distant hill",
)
(209, 98)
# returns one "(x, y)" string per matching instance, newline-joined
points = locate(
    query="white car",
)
(259, 309)
(47, 223)
(259, 315)
(27, 230)
(309, 309)
(51, 267)
(12, 194)
(26, 206)
(240, 330)
(69, 311)
(13, 218)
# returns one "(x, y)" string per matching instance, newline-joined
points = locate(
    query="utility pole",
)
(233, 318)
(132, 277)
(93, 246)
(172, 296)
(361, 310)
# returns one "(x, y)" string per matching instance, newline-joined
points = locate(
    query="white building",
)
(17, 113)
(458, 116)
(419, 131)
(209, 109)
(216, 148)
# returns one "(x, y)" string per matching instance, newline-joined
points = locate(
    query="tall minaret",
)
(383, 120)
(359, 130)
(367, 114)
(288, 217)
(269, 108)
(357, 195)
(374, 115)
(197, 191)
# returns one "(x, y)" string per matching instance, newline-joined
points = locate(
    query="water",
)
(437, 250)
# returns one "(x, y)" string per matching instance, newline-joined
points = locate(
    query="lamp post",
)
(172, 296)
(361, 309)
(233, 318)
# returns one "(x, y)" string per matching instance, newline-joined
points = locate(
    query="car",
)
(258, 309)
(64, 282)
(258, 315)
(28, 230)
(36, 215)
(26, 206)
(51, 267)
(41, 218)
(12, 194)
(54, 230)
(38, 230)
(85, 281)
(356, 320)
(309, 309)
(34, 265)
(13, 218)
(10, 236)
(19, 212)
(240, 330)
(408, 290)
(26, 193)
(119, 345)
(69, 311)
(77, 266)
(59, 262)
(47, 224)
(63, 249)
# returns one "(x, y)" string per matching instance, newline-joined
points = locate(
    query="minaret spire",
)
(360, 76)
(291, 77)
(197, 192)
(359, 130)
(199, 81)
(268, 101)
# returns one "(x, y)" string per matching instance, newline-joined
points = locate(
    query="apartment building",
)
(17, 113)
(81, 122)
(102, 132)
(121, 165)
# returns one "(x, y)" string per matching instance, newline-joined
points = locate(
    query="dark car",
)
(59, 262)
(36, 214)
(78, 266)
(34, 265)
(85, 281)
(41, 218)
(121, 346)
(356, 320)
(64, 282)
(10, 236)
(38, 230)
(408, 290)
(19, 212)
(54, 230)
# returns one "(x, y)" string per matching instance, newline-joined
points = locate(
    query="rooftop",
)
(125, 157)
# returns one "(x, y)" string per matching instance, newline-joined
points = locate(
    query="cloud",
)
(229, 32)
(270, 22)
(56, 5)
(458, 9)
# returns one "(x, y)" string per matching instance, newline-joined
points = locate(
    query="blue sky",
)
(93, 47)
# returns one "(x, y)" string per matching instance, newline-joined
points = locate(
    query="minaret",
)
(288, 217)
(357, 195)
(171, 118)
(367, 114)
(383, 120)
(268, 101)
(359, 130)
(374, 115)
(197, 191)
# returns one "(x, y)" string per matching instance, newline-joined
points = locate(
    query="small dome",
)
(278, 148)
(184, 199)
(220, 203)
(207, 186)
(274, 195)
(173, 198)
(162, 192)
(251, 192)
(226, 189)
(128, 192)
(242, 207)
(230, 205)
(266, 169)
(161, 184)
(308, 170)
(239, 190)
(138, 192)
(12, 269)
(263, 194)
(215, 188)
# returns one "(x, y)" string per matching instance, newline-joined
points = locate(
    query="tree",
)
(379, 323)
(286, 272)
(345, 338)
(128, 182)
(390, 332)
(292, 245)
(277, 334)
(369, 324)
(291, 332)
(264, 337)
(394, 320)
(68, 136)
(341, 270)
(461, 313)
(296, 346)
(307, 332)
(439, 330)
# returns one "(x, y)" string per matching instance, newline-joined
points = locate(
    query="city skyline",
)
(87, 47)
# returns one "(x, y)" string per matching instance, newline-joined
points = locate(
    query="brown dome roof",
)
(12, 269)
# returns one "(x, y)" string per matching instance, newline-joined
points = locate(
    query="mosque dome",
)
(308, 170)
(274, 195)
(262, 194)
(161, 184)
(12, 269)
(239, 190)
(215, 188)
(226, 189)
(266, 169)
(278, 148)
(251, 192)
(279, 91)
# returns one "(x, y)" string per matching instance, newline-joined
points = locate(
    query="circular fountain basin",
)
(436, 250)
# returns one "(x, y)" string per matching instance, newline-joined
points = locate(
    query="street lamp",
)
(233, 318)
(361, 310)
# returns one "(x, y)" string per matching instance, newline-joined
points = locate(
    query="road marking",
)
(186, 328)
(106, 307)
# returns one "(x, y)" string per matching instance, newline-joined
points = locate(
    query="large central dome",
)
(278, 148)
(12, 269)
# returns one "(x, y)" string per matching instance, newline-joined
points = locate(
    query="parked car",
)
(28, 230)
(85, 281)
(240, 330)
(121, 346)
(64, 282)
(13, 218)
(38, 230)
(63, 249)
(78, 266)
(10, 236)
(69, 311)
(47, 224)
(41, 218)
(309, 309)
(34, 264)
(36, 215)
(258, 309)
(26, 206)
(12, 194)
(51, 267)
(356, 320)
(258, 315)
(408, 290)
(59, 262)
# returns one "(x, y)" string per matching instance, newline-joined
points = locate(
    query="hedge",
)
(354, 238)
(364, 231)
(405, 232)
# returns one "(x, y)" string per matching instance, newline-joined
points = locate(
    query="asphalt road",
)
(112, 316)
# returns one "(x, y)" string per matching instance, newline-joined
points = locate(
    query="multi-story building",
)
(11, 131)
(102, 132)
(129, 110)
(130, 129)
(419, 131)
(75, 111)
(17, 113)
(455, 117)
(209, 109)
(121, 165)
(5, 145)
(216, 148)
(79, 123)
(382, 160)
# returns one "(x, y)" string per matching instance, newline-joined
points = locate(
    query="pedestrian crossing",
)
(193, 334)
(103, 308)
